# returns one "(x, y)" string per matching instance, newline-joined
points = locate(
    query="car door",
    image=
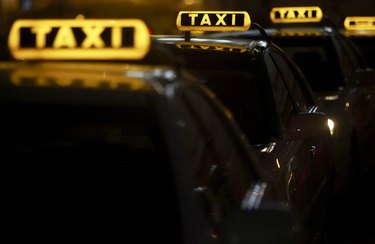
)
(222, 170)
(306, 159)
(359, 100)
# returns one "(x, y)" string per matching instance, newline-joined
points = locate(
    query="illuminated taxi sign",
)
(296, 14)
(213, 21)
(213, 47)
(359, 23)
(79, 39)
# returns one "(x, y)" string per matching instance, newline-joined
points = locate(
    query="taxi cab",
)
(271, 101)
(97, 148)
(361, 31)
(339, 76)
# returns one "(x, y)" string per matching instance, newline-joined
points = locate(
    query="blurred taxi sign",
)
(359, 23)
(79, 39)
(213, 47)
(296, 14)
(213, 21)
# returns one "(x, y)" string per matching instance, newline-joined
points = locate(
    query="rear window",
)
(88, 174)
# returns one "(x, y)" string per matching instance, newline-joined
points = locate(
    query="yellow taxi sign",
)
(296, 14)
(79, 39)
(213, 21)
(359, 23)
(212, 47)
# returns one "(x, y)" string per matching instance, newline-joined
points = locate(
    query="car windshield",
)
(79, 172)
(317, 59)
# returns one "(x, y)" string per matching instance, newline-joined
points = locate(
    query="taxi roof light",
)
(359, 23)
(306, 14)
(213, 21)
(98, 39)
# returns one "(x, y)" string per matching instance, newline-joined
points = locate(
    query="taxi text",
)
(78, 39)
(213, 21)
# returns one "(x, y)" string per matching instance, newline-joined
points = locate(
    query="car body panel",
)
(333, 66)
(110, 149)
(246, 77)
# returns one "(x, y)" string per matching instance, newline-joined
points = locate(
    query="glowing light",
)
(347, 104)
(189, 2)
(359, 23)
(65, 45)
(213, 21)
(254, 196)
(331, 98)
(269, 148)
(296, 14)
(278, 163)
(331, 126)
(289, 184)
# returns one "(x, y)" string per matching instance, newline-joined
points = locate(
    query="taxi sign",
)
(359, 23)
(78, 39)
(213, 47)
(296, 14)
(213, 21)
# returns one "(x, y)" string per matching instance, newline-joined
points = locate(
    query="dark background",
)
(161, 15)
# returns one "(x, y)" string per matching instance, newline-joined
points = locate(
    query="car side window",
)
(347, 66)
(283, 101)
(300, 98)
(219, 168)
(353, 53)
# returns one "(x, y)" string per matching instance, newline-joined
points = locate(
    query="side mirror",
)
(308, 125)
(363, 77)
(273, 224)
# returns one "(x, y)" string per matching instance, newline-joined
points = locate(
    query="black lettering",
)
(28, 38)
(186, 20)
(128, 37)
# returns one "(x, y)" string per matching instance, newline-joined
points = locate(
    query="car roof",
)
(236, 72)
(80, 82)
(358, 33)
(220, 47)
(279, 31)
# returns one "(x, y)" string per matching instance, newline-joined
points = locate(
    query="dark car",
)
(98, 149)
(340, 78)
(361, 31)
(272, 102)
